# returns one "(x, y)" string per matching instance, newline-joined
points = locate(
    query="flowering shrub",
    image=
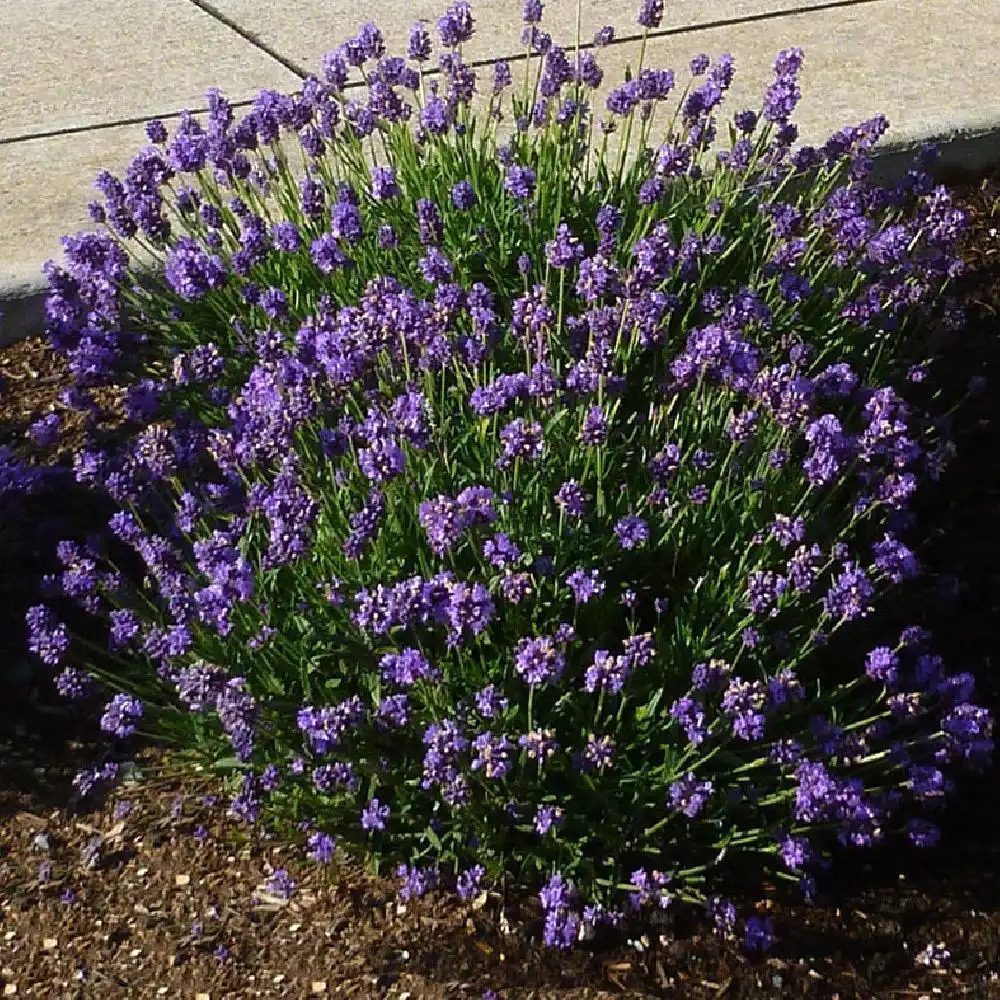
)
(502, 507)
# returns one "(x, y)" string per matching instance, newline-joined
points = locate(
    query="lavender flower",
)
(48, 638)
(192, 272)
(501, 551)
(393, 712)
(690, 714)
(321, 847)
(520, 181)
(493, 755)
(73, 683)
(585, 584)
(564, 249)
(539, 660)
(744, 703)
(597, 755)
(86, 781)
(689, 795)
(562, 924)
(548, 818)
(419, 45)
(456, 25)
(121, 714)
(45, 431)
(594, 430)
(280, 884)
(631, 532)
(326, 727)
(849, 595)
(521, 439)
(384, 184)
(374, 816)
(650, 14)
(444, 521)
(490, 702)
(416, 882)
(469, 882)
(571, 498)
(463, 196)
(538, 745)
(531, 11)
(723, 913)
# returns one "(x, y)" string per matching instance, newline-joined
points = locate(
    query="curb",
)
(22, 311)
(964, 153)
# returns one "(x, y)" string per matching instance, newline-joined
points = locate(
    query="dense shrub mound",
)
(502, 507)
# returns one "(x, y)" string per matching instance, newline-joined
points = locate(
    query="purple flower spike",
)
(520, 181)
(531, 12)
(456, 25)
(121, 715)
(321, 847)
(192, 272)
(416, 882)
(374, 816)
(632, 532)
(650, 14)
(539, 660)
(45, 432)
(689, 795)
(419, 46)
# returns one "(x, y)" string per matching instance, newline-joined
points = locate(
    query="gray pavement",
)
(78, 79)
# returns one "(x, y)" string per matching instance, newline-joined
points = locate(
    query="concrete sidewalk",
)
(78, 80)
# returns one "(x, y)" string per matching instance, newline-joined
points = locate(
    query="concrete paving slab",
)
(68, 64)
(45, 187)
(303, 30)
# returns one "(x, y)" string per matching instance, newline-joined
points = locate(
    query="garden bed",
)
(137, 905)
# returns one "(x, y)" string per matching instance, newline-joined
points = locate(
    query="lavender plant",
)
(501, 506)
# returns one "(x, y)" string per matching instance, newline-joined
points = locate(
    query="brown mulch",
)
(139, 905)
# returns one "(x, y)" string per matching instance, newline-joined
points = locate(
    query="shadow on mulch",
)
(861, 938)
(44, 740)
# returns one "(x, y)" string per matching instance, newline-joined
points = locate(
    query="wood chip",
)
(180, 880)
(49, 943)
(29, 819)
(318, 986)
(264, 900)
